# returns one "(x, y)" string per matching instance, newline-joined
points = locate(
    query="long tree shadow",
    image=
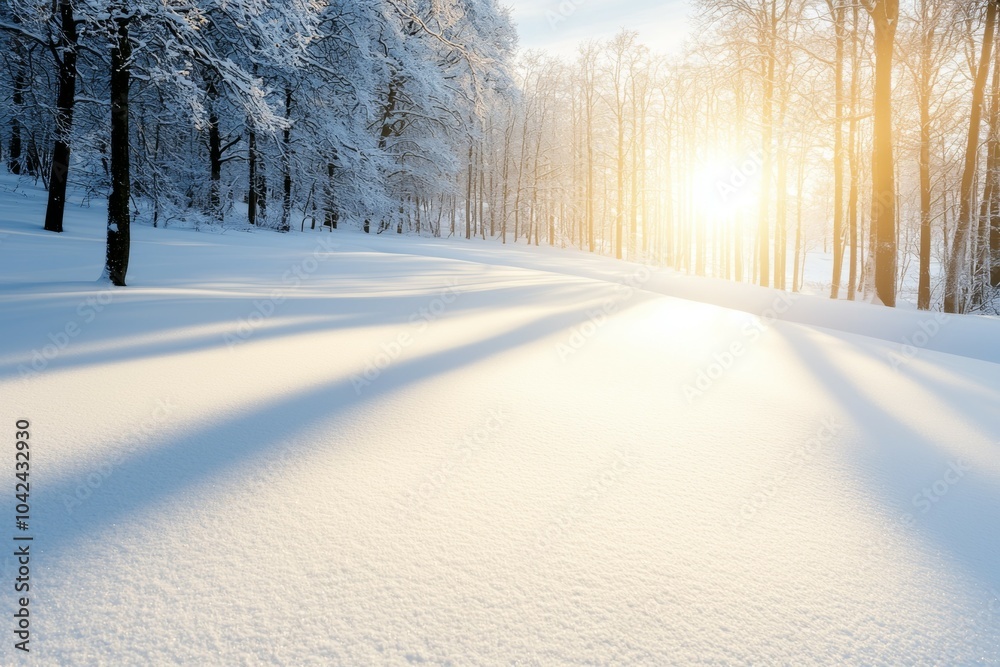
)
(967, 384)
(968, 335)
(202, 323)
(970, 394)
(898, 462)
(148, 477)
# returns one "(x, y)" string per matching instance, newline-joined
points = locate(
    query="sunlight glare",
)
(724, 184)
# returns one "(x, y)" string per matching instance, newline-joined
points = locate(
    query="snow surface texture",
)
(271, 449)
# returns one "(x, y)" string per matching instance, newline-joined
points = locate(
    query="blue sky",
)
(662, 24)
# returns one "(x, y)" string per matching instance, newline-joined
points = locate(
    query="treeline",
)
(864, 130)
(868, 131)
(253, 110)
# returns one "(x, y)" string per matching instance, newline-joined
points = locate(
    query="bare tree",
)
(956, 278)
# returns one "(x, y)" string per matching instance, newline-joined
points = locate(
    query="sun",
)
(724, 183)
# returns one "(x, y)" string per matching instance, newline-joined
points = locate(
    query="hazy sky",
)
(561, 26)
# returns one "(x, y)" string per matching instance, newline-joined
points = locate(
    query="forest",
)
(866, 133)
(500, 332)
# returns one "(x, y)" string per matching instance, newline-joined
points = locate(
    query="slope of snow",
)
(348, 449)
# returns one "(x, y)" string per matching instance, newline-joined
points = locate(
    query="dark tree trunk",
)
(256, 196)
(390, 108)
(261, 187)
(33, 160)
(14, 155)
(332, 216)
(214, 155)
(253, 195)
(286, 202)
(116, 265)
(65, 55)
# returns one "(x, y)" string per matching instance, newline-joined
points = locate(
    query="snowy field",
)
(340, 449)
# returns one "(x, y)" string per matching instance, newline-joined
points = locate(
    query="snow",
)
(358, 450)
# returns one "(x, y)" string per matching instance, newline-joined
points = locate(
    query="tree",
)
(956, 278)
(119, 210)
(838, 12)
(930, 13)
(622, 62)
(885, 16)
(65, 54)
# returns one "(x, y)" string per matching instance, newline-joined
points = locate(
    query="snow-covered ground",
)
(363, 450)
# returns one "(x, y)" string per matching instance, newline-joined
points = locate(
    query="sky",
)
(559, 26)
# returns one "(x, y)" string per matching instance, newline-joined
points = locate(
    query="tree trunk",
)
(18, 87)
(493, 189)
(781, 212)
(740, 104)
(853, 160)
(991, 192)
(620, 213)
(798, 257)
(591, 194)
(505, 181)
(885, 14)
(992, 234)
(837, 10)
(481, 190)
(468, 195)
(924, 101)
(387, 112)
(286, 202)
(65, 55)
(116, 264)
(763, 224)
(332, 215)
(252, 196)
(954, 296)
(633, 225)
(214, 155)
